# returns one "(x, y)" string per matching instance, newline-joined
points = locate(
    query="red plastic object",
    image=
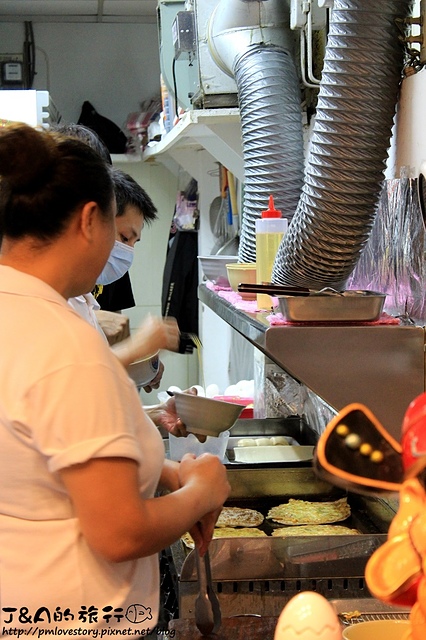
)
(271, 212)
(413, 439)
(247, 412)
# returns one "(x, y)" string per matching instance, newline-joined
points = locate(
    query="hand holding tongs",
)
(207, 609)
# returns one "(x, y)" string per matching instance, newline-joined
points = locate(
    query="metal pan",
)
(349, 306)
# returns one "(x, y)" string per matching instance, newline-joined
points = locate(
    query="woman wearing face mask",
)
(80, 461)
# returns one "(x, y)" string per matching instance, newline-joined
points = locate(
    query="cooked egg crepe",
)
(296, 512)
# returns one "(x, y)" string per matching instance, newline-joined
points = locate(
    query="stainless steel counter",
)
(381, 366)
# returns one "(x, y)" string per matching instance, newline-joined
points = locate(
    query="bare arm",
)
(119, 525)
(169, 478)
(153, 334)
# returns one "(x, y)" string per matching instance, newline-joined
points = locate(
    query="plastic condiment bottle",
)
(270, 229)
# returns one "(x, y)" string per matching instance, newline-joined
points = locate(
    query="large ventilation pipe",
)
(251, 40)
(356, 105)
(351, 135)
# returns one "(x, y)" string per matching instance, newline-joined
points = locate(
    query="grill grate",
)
(352, 611)
(366, 617)
(267, 598)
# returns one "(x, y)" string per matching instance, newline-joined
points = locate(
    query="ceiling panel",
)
(129, 7)
(78, 10)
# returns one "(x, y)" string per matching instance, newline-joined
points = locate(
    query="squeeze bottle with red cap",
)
(270, 229)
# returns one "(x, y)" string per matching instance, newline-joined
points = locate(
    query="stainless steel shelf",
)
(380, 366)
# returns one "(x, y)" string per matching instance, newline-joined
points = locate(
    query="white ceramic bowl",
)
(242, 272)
(377, 630)
(206, 416)
(214, 268)
(144, 370)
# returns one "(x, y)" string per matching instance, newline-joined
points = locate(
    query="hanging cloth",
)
(180, 282)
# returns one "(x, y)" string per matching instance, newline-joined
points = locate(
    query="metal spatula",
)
(207, 609)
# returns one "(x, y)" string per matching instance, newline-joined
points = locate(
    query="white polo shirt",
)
(64, 399)
(86, 305)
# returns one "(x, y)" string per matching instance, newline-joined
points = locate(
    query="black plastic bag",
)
(110, 133)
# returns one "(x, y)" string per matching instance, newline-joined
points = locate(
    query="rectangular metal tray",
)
(293, 428)
(348, 306)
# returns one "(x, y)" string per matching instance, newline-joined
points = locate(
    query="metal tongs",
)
(273, 289)
(207, 609)
(281, 290)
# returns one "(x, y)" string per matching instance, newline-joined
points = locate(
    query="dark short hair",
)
(128, 191)
(87, 135)
(45, 176)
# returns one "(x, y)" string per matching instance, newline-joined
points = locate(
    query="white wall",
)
(114, 66)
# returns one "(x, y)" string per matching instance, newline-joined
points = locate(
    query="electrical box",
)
(183, 33)
(11, 71)
(180, 75)
(11, 74)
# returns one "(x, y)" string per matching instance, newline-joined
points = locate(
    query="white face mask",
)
(119, 262)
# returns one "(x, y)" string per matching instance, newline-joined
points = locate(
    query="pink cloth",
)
(214, 287)
(278, 319)
(234, 298)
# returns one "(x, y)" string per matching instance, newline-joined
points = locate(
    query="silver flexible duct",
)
(271, 125)
(344, 173)
(251, 40)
